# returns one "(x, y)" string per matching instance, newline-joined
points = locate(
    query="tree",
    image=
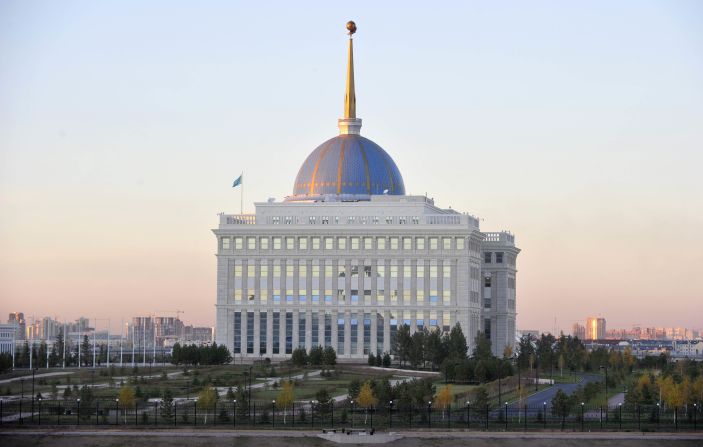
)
(299, 357)
(167, 404)
(561, 404)
(525, 351)
(324, 401)
(372, 359)
(456, 344)
(416, 352)
(435, 350)
(403, 343)
(366, 398)
(561, 364)
(480, 399)
(86, 355)
(285, 397)
(353, 388)
(315, 356)
(386, 360)
(126, 399)
(230, 394)
(207, 399)
(5, 362)
(329, 357)
(482, 351)
(444, 398)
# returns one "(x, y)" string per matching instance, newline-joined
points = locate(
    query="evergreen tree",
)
(86, 352)
(456, 345)
(299, 357)
(41, 355)
(329, 356)
(315, 357)
(403, 343)
(167, 404)
(482, 351)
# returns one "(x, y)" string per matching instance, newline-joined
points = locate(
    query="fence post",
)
(639, 421)
(58, 415)
(468, 414)
(39, 400)
(195, 413)
(695, 410)
(658, 416)
(676, 418)
(620, 417)
(390, 415)
(97, 410)
(234, 414)
(582, 403)
(506, 416)
(0, 411)
(214, 413)
(156, 417)
(78, 412)
(136, 421)
(486, 417)
(601, 417)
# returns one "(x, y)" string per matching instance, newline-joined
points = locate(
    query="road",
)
(536, 401)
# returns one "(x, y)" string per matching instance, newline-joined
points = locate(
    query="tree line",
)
(200, 355)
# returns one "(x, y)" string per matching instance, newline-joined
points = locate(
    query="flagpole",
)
(241, 196)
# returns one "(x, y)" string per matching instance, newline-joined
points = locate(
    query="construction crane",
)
(177, 312)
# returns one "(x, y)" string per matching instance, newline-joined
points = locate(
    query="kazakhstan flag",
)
(238, 181)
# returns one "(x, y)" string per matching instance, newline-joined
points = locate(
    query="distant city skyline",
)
(118, 149)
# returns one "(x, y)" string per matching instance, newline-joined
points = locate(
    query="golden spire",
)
(350, 96)
(350, 124)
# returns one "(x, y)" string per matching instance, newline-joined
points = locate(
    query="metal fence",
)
(262, 415)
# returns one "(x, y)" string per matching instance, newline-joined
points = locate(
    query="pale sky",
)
(577, 126)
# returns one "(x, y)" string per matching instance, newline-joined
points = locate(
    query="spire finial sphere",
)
(351, 27)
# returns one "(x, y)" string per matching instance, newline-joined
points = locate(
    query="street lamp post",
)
(658, 415)
(468, 414)
(273, 413)
(234, 414)
(620, 415)
(78, 411)
(506, 416)
(39, 401)
(352, 415)
(390, 414)
(429, 414)
(544, 413)
(582, 404)
(605, 367)
(312, 414)
(21, 398)
(33, 371)
(117, 412)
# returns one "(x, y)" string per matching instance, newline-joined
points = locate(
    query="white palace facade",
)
(349, 258)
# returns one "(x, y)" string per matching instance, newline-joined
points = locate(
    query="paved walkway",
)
(536, 400)
(36, 376)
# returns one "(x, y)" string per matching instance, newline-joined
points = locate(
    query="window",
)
(394, 243)
(420, 270)
(276, 243)
(264, 243)
(303, 243)
(374, 220)
(276, 297)
(420, 243)
(276, 335)
(264, 271)
(368, 243)
(446, 298)
(290, 243)
(238, 270)
(447, 271)
(288, 220)
(316, 243)
(433, 243)
(312, 220)
(325, 220)
(355, 243)
(487, 257)
(251, 270)
(355, 297)
(238, 243)
(389, 220)
(238, 296)
(420, 296)
(328, 297)
(342, 243)
(487, 328)
(434, 299)
(407, 272)
(329, 243)
(499, 257)
(302, 299)
(407, 243)
(289, 271)
(250, 332)
(262, 332)
(416, 220)
(381, 271)
(402, 220)
(460, 243)
(381, 243)
(225, 243)
(276, 220)
(316, 296)
(446, 243)
(251, 243)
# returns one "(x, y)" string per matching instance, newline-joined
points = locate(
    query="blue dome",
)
(348, 165)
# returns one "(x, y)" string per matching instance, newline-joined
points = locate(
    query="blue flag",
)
(238, 181)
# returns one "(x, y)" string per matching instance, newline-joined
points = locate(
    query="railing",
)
(313, 415)
(240, 219)
(499, 237)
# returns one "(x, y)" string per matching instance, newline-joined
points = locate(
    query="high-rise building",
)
(349, 257)
(579, 331)
(17, 319)
(595, 328)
